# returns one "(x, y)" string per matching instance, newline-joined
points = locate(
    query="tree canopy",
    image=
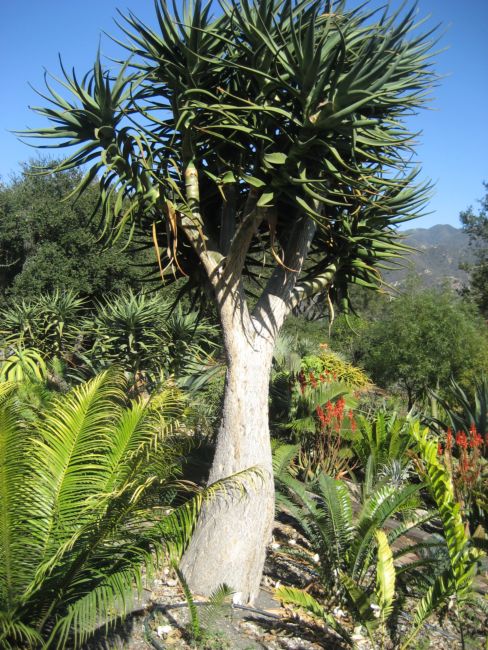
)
(49, 243)
(476, 226)
(222, 133)
(420, 340)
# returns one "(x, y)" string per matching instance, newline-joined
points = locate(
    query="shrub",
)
(86, 501)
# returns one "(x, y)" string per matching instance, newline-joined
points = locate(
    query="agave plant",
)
(23, 363)
(86, 506)
(190, 342)
(19, 323)
(128, 330)
(50, 323)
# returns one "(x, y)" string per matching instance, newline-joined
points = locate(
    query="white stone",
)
(163, 630)
(338, 612)
(237, 598)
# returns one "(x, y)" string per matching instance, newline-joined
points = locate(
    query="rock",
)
(163, 630)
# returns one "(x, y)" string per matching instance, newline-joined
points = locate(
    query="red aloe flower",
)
(461, 439)
(449, 439)
(475, 440)
(322, 416)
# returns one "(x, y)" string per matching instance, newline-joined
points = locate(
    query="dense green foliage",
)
(419, 340)
(141, 333)
(358, 553)
(355, 534)
(350, 551)
(248, 124)
(86, 488)
(234, 146)
(476, 226)
(49, 241)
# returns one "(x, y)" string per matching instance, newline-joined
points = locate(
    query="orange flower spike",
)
(461, 439)
(449, 442)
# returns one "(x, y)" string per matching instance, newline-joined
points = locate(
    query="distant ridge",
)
(440, 250)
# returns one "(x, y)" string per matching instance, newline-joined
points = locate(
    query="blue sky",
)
(453, 147)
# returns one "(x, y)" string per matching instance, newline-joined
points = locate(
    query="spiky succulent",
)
(250, 117)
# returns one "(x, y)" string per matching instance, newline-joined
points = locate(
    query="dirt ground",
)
(161, 620)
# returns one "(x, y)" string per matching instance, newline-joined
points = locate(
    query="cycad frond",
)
(71, 469)
(84, 499)
(283, 455)
(385, 575)
(18, 551)
(336, 518)
(379, 507)
(307, 602)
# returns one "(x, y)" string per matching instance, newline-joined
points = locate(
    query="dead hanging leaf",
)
(156, 248)
(331, 312)
(173, 223)
(272, 219)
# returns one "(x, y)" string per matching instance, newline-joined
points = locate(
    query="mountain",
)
(439, 251)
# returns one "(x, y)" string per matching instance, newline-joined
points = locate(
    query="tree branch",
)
(195, 230)
(274, 303)
(309, 288)
(239, 246)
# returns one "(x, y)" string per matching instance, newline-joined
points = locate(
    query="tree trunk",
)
(229, 543)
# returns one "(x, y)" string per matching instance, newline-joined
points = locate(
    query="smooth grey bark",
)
(229, 543)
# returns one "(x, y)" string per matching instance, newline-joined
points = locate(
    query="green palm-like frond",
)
(347, 548)
(87, 507)
(307, 602)
(17, 492)
(283, 456)
(385, 502)
(385, 575)
(73, 470)
(337, 515)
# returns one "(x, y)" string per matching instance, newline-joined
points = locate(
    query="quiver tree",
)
(266, 141)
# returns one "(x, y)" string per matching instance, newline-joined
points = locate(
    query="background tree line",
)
(49, 242)
(408, 342)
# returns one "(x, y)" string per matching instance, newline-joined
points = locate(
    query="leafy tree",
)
(48, 242)
(421, 339)
(269, 135)
(476, 226)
